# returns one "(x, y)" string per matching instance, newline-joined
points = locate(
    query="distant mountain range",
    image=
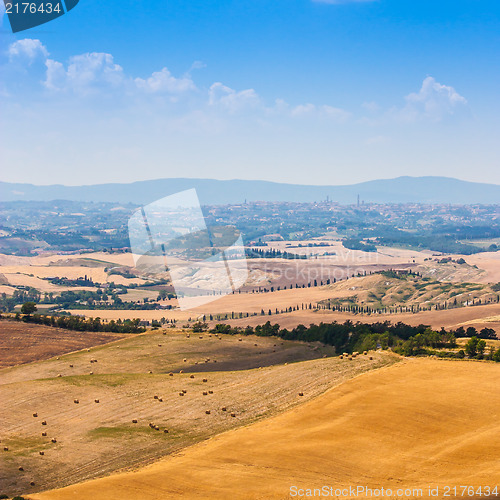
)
(215, 192)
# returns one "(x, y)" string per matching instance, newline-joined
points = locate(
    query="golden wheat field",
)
(409, 426)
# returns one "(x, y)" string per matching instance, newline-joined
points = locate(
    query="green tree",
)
(471, 347)
(28, 308)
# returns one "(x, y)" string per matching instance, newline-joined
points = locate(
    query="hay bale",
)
(239, 340)
(41, 453)
(71, 366)
(134, 420)
(301, 393)
(157, 428)
(181, 394)
(191, 376)
(59, 375)
(350, 358)
(215, 361)
(201, 336)
(151, 424)
(255, 345)
(188, 336)
(54, 440)
(185, 360)
(224, 408)
(44, 434)
(205, 393)
(341, 357)
(207, 412)
(5, 448)
(160, 400)
(165, 431)
(21, 469)
(205, 380)
(159, 345)
(44, 422)
(96, 401)
(76, 401)
(233, 414)
(184, 391)
(150, 372)
(365, 353)
(164, 333)
(181, 371)
(371, 358)
(155, 396)
(32, 483)
(170, 374)
(35, 415)
(91, 373)
(210, 392)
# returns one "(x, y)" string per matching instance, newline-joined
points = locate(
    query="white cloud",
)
(231, 99)
(85, 73)
(434, 101)
(27, 48)
(309, 109)
(163, 81)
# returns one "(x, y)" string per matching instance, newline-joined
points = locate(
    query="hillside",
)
(393, 428)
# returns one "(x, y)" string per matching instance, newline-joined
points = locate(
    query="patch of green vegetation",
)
(24, 446)
(106, 379)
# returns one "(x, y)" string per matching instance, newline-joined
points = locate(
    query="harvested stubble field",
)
(417, 423)
(96, 438)
(23, 342)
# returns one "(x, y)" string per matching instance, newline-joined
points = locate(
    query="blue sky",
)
(316, 92)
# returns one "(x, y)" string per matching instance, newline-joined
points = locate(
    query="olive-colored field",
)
(23, 342)
(412, 425)
(97, 438)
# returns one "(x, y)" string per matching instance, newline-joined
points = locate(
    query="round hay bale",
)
(341, 357)
(41, 453)
(365, 353)
(181, 371)
(191, 376)
(44, 434)
(205, 380)
(196, 362)
(201, 336)
(301, 393)
(210, 392)
(205, 393)
(170, 374)
(157, 428)
(58, 358)
(185, 360)
(371, 358)
(164, 333)
(151, 424)
(224, 408)
(184, 391)
(59, 375)
(35, 415)
(240, 340)
(5, 448)
(96, 401)
(32, 483)
(255, 345)
(165, 431)
(350, 358)
(215, 361)
(233, 414)
(76, 401)
(155, 396)
(91, 373)
(181, 394)
(150, 372)
(88, 350)
(188, 336)
(54, 440)
(134, 420)
(21, 468)
(159, 345)
(207, 412)
(71, 366)
(44, 422)
(160, 400)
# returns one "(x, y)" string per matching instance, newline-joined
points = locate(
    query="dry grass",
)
(413, 424)
(95, 439)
